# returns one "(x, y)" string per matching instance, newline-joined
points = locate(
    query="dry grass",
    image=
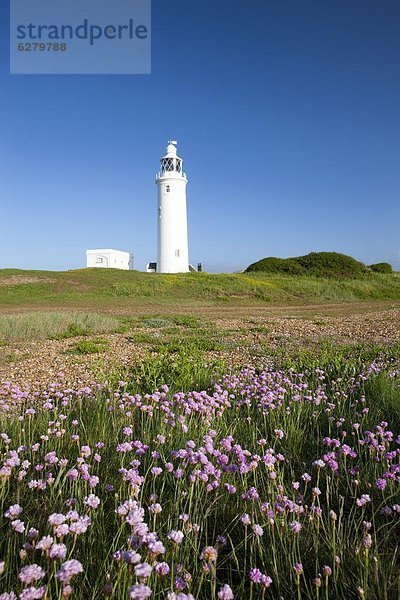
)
(45, 325)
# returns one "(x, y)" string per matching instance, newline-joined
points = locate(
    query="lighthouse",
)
(172, 234)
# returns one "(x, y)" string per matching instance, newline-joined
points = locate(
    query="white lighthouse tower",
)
(172, 235)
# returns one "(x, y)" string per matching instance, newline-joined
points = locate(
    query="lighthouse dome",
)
(171, 149)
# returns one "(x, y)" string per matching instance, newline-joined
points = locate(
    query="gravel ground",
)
(243, 336)
(40, 362)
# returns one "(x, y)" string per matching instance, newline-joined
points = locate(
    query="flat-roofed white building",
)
(107, 258)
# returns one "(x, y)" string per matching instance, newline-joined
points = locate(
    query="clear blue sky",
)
(287, 114)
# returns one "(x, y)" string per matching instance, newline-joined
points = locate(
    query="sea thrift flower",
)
(225, 593)
(265, 581)
(245, 519)
(230, 488)
(162, 568)
(257, 530)
(18, 526)
(298, 568)
(179, 583)
(80, 525)
(56, 519)
(255, 575)
(32, 593)
(143, 570)
(365, 498)
(156, 547)
(30, 574)
(58, 551)
(91, 501)
(131, 557)
(33, 533)
(295, 526)
(221, 541)
(176, 536)
(45, 543)
(61, 530)
(13, 511)
(367, 542)
(140, 592)
(68, 570)
(209, 554)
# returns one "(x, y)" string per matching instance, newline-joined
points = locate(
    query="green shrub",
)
(316, 264)
(288, 266)
(382, 267)
(73, 330)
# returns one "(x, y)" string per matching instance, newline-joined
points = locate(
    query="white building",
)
(109, 258)
(172, 234)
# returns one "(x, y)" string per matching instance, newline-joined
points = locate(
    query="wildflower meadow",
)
(272, 483)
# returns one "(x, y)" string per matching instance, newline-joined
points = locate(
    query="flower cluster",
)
(237, 491)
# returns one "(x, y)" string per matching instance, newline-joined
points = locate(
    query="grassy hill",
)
(109, 289)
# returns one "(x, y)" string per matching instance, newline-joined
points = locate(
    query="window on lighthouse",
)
(177, 253)
(168, 164)
(167, 188)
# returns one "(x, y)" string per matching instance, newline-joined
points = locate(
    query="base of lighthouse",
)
(172, 232)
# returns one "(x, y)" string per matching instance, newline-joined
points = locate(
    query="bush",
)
(316, 264)
(287, 266)
(382, 267)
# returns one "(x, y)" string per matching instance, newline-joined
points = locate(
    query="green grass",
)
(57, 325)
(182, 367)
(108, 289)
(336, 360)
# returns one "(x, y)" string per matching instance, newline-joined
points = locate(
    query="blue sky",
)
(287, 116)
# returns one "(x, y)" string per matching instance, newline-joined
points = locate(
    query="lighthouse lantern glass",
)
(169, 165)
